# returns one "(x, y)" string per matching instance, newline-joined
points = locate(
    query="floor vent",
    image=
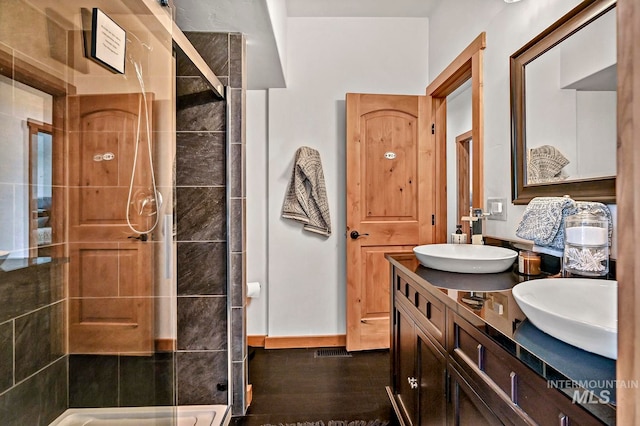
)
(332, 353)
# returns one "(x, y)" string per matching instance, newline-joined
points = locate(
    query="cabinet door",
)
(466, 407)
(433, 372)
(406, 381)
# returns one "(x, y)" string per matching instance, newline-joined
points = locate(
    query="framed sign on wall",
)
(108, 41)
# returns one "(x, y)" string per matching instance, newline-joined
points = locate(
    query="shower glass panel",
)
(87, 118)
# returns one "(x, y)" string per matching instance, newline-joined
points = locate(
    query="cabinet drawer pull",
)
(416, 299)
(428, 310)
(564, 419)
(481, 357)
(413, 382)
(514, 387)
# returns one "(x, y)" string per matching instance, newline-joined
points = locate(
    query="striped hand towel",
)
(306, 197)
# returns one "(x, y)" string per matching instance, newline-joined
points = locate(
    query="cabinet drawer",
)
(475, 353)
(517, 393)
(468, 408)
(429, 311)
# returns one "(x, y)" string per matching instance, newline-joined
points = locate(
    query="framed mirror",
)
(563, 108)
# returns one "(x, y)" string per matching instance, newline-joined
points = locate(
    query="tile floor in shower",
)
(292, 385)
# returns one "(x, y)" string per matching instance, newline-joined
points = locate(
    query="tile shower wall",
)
(121, 381)
(33, 364)
(210, 203)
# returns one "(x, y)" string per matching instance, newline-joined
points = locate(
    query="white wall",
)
(596, 129)
(551, 111)
(18, 102)
(590, 50)
(508, 26)
(326, 57)
(257, 201)
(278, 16)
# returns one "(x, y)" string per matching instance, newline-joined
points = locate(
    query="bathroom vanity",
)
(463, 353)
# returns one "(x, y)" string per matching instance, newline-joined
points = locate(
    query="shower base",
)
(191, 415)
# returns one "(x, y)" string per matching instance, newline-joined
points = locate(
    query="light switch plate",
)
(497, 208)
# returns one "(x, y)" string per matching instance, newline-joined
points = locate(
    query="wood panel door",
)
(110, 274)
(390, 172)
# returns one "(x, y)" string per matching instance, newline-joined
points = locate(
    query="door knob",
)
(355, 235)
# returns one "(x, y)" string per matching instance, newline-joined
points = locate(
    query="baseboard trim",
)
(249, 397)
(290, 342)
(165, 345)
(256, 341)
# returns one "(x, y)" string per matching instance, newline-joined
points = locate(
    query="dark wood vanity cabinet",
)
(447, 371)
(426, 390)
(467, 407)
(513, 391)
(420, 373)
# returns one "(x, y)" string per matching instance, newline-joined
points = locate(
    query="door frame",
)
(21, 69)
(467, 65)
(462, 175)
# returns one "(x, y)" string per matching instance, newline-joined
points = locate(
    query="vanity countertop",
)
(486, 301)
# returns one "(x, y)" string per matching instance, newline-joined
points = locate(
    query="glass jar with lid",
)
(586, 247)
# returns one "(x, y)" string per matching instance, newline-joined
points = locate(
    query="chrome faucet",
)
(475, 223)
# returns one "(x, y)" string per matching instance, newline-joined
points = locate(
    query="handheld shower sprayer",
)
(146, 201)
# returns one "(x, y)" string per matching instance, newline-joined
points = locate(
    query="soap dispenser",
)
(458, 237)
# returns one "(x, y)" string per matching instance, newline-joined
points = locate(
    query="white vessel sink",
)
(579, 311)
(465, 258)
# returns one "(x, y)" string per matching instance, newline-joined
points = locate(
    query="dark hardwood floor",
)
(292, 385)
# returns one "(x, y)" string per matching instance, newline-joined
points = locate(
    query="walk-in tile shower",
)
(121, 212)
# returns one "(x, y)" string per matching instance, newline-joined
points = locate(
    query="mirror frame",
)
(594, 189)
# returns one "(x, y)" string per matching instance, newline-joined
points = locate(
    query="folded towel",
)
(306, 197)
(543, 221)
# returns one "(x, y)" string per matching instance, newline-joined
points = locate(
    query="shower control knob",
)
(355, 235)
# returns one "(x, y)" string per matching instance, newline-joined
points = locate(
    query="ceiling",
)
(253, 18)
(361, 8)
